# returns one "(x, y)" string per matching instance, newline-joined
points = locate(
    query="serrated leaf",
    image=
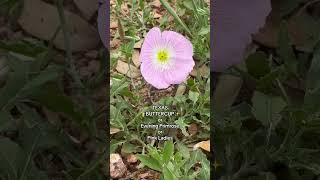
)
(267, 108)
(114, 145)
(194, 96)
(150, 162)
(128, 148)
(182, 126)
(183, 150)
(167, 151)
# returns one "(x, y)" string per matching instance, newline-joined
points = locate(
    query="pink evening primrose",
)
(166, 58)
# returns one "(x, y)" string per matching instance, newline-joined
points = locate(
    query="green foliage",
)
(28, 140)
(177, 165)
(273, 132)
(129, 101)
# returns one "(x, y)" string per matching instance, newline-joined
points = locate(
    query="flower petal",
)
(180, 71)
(152, 40)
(153, 76)
(178, 42)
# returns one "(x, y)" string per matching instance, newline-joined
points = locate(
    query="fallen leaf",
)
(156, 3)
(123, 68)
(138, 44)
(114, 130)
(117, 167)
(157, 15)
(131, 158)
(181, 89)
(205, 145)
(193, 72)
(113, 25)
(193, 129)
(136, 58)
(204, 71)
(115, 43)
(125, 9)
(44, 22)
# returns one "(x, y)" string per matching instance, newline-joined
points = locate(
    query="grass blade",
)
(174, 14)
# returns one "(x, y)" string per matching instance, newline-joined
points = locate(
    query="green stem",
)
(70, 60)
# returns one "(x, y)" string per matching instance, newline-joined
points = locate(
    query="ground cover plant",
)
(52, 92)
(270, 130)
(133, 94)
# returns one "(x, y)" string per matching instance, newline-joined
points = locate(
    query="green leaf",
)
(128, 148)
(49, 137)
(194, 96)
(93, 166)
(182, 125)
(168, 175)
(114, 145)
(258, 64)
(195, 157)
(23, 47)
(16, 80)
(11, 156)
(28, 162)
(266, 82)
(312, 96)
(55, 100)
(30, 116)
(287, 6)
(176, 17)
(5, 121)
(183, 150)
(167, 151)
(17, 163)
(49, 74)
(155, 153)
(266, 108)
(150, 162)
(285, 49)
(18, 87)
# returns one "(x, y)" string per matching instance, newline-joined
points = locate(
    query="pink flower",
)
(166, 58)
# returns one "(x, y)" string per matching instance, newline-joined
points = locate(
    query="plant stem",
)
(70, 61)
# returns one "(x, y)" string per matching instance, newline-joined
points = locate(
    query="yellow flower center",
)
(163, 56)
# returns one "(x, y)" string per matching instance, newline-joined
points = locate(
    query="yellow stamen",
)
(163, 56)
